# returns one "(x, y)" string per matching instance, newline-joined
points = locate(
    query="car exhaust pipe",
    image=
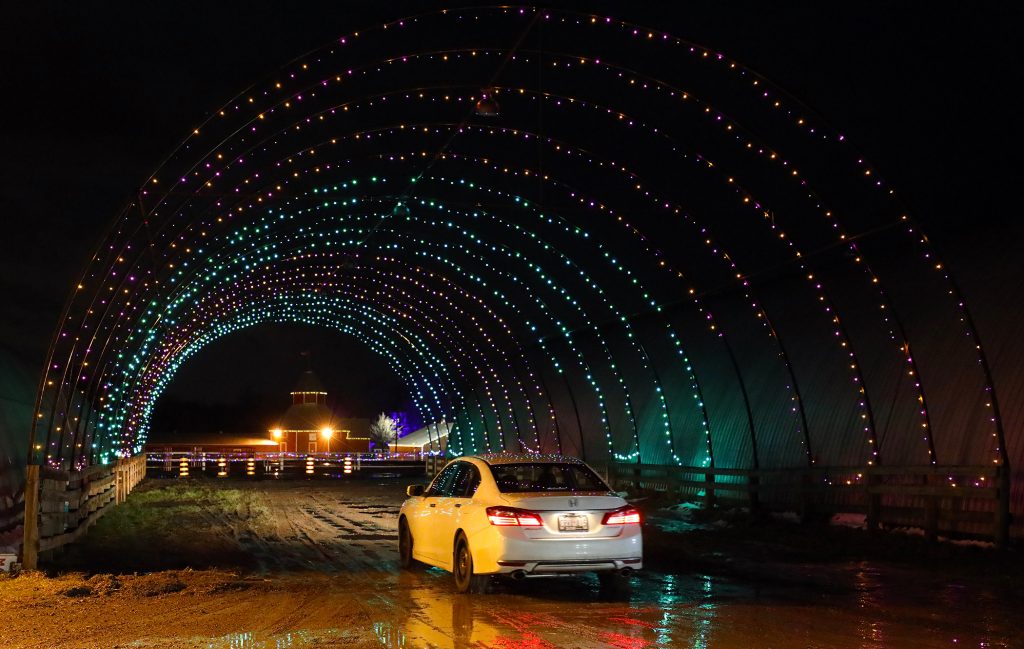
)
(519, 574)
(625, 572)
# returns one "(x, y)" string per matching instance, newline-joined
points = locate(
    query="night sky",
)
(96, 94)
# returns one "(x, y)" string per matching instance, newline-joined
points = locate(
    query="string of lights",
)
(679, 282)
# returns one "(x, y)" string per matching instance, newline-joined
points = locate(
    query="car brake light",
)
(512, 516)
(621, 516)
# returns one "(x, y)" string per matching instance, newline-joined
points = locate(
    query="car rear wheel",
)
(405, 560)
(462, 569)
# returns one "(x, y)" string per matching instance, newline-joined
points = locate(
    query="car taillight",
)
(621, 516)
(512, 516)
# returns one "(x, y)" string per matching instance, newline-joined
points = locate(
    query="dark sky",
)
(96, 94)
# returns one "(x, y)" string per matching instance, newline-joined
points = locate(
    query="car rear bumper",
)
(537, 568)
(505, 551)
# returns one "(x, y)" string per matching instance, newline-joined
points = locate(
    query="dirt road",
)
(223, 565)
(316, 528)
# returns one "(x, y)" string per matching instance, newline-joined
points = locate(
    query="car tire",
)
(462, 569)
(405, 560)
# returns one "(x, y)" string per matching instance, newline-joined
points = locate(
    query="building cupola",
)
(309, 389)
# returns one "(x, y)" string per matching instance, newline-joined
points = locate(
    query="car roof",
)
(526, 458)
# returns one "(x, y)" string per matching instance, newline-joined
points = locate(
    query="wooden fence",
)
(60, 506)
(959, 500)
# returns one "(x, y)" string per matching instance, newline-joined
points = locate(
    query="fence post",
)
(30, 540)
(874, 517)
(931, 514)
(613, 475)
(806, 506)
(709, 490)
(1002, 517)
(671, 483)
(753, 484)
(119, 481)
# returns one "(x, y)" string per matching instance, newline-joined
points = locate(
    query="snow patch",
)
(680, 506)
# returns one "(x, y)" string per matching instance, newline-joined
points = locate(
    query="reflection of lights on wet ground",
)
(857, 608)
(667, 594)
(705, 615)
(869, 628)
(388, 635)
(292, 640)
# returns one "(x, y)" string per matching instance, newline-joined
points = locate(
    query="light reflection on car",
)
(519, 515)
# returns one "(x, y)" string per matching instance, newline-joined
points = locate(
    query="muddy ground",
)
(244, 565)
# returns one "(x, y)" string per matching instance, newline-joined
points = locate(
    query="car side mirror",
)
(414, 490)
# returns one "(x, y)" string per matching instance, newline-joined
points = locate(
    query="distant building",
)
(310, 426)
(429, 440)
(213, 443)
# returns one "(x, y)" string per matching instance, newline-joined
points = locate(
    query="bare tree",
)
(383, 432)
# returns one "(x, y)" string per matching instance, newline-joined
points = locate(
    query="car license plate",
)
(572, 523)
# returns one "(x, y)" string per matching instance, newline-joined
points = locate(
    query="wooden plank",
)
(101, 485)
(52, 485)
(51, 524)
(985, 470)
(619, 469)
(53, 506)
(718, 486)
(702, 471)
(60, 540)
(61, 496)
(97, 470)
(983, 493)
(50, 473)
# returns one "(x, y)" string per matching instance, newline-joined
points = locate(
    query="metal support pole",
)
(551, 409)
(579, 420)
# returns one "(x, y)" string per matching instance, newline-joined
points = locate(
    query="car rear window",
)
(542, 477)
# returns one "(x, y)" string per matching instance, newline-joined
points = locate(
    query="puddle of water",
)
(867, 610)
(246, 640)
(701, 611)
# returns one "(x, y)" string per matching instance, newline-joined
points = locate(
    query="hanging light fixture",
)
(400, 210)
(487, 105)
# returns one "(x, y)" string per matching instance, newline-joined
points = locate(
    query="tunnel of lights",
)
(564, 233)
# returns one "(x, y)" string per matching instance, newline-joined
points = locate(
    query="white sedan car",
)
(522, 516)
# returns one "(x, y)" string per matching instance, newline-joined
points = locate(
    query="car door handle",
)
(458, 504)
(433, 504)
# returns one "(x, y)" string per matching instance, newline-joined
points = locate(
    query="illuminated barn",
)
(310, 426)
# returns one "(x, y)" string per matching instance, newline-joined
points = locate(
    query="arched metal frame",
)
(624, 247)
